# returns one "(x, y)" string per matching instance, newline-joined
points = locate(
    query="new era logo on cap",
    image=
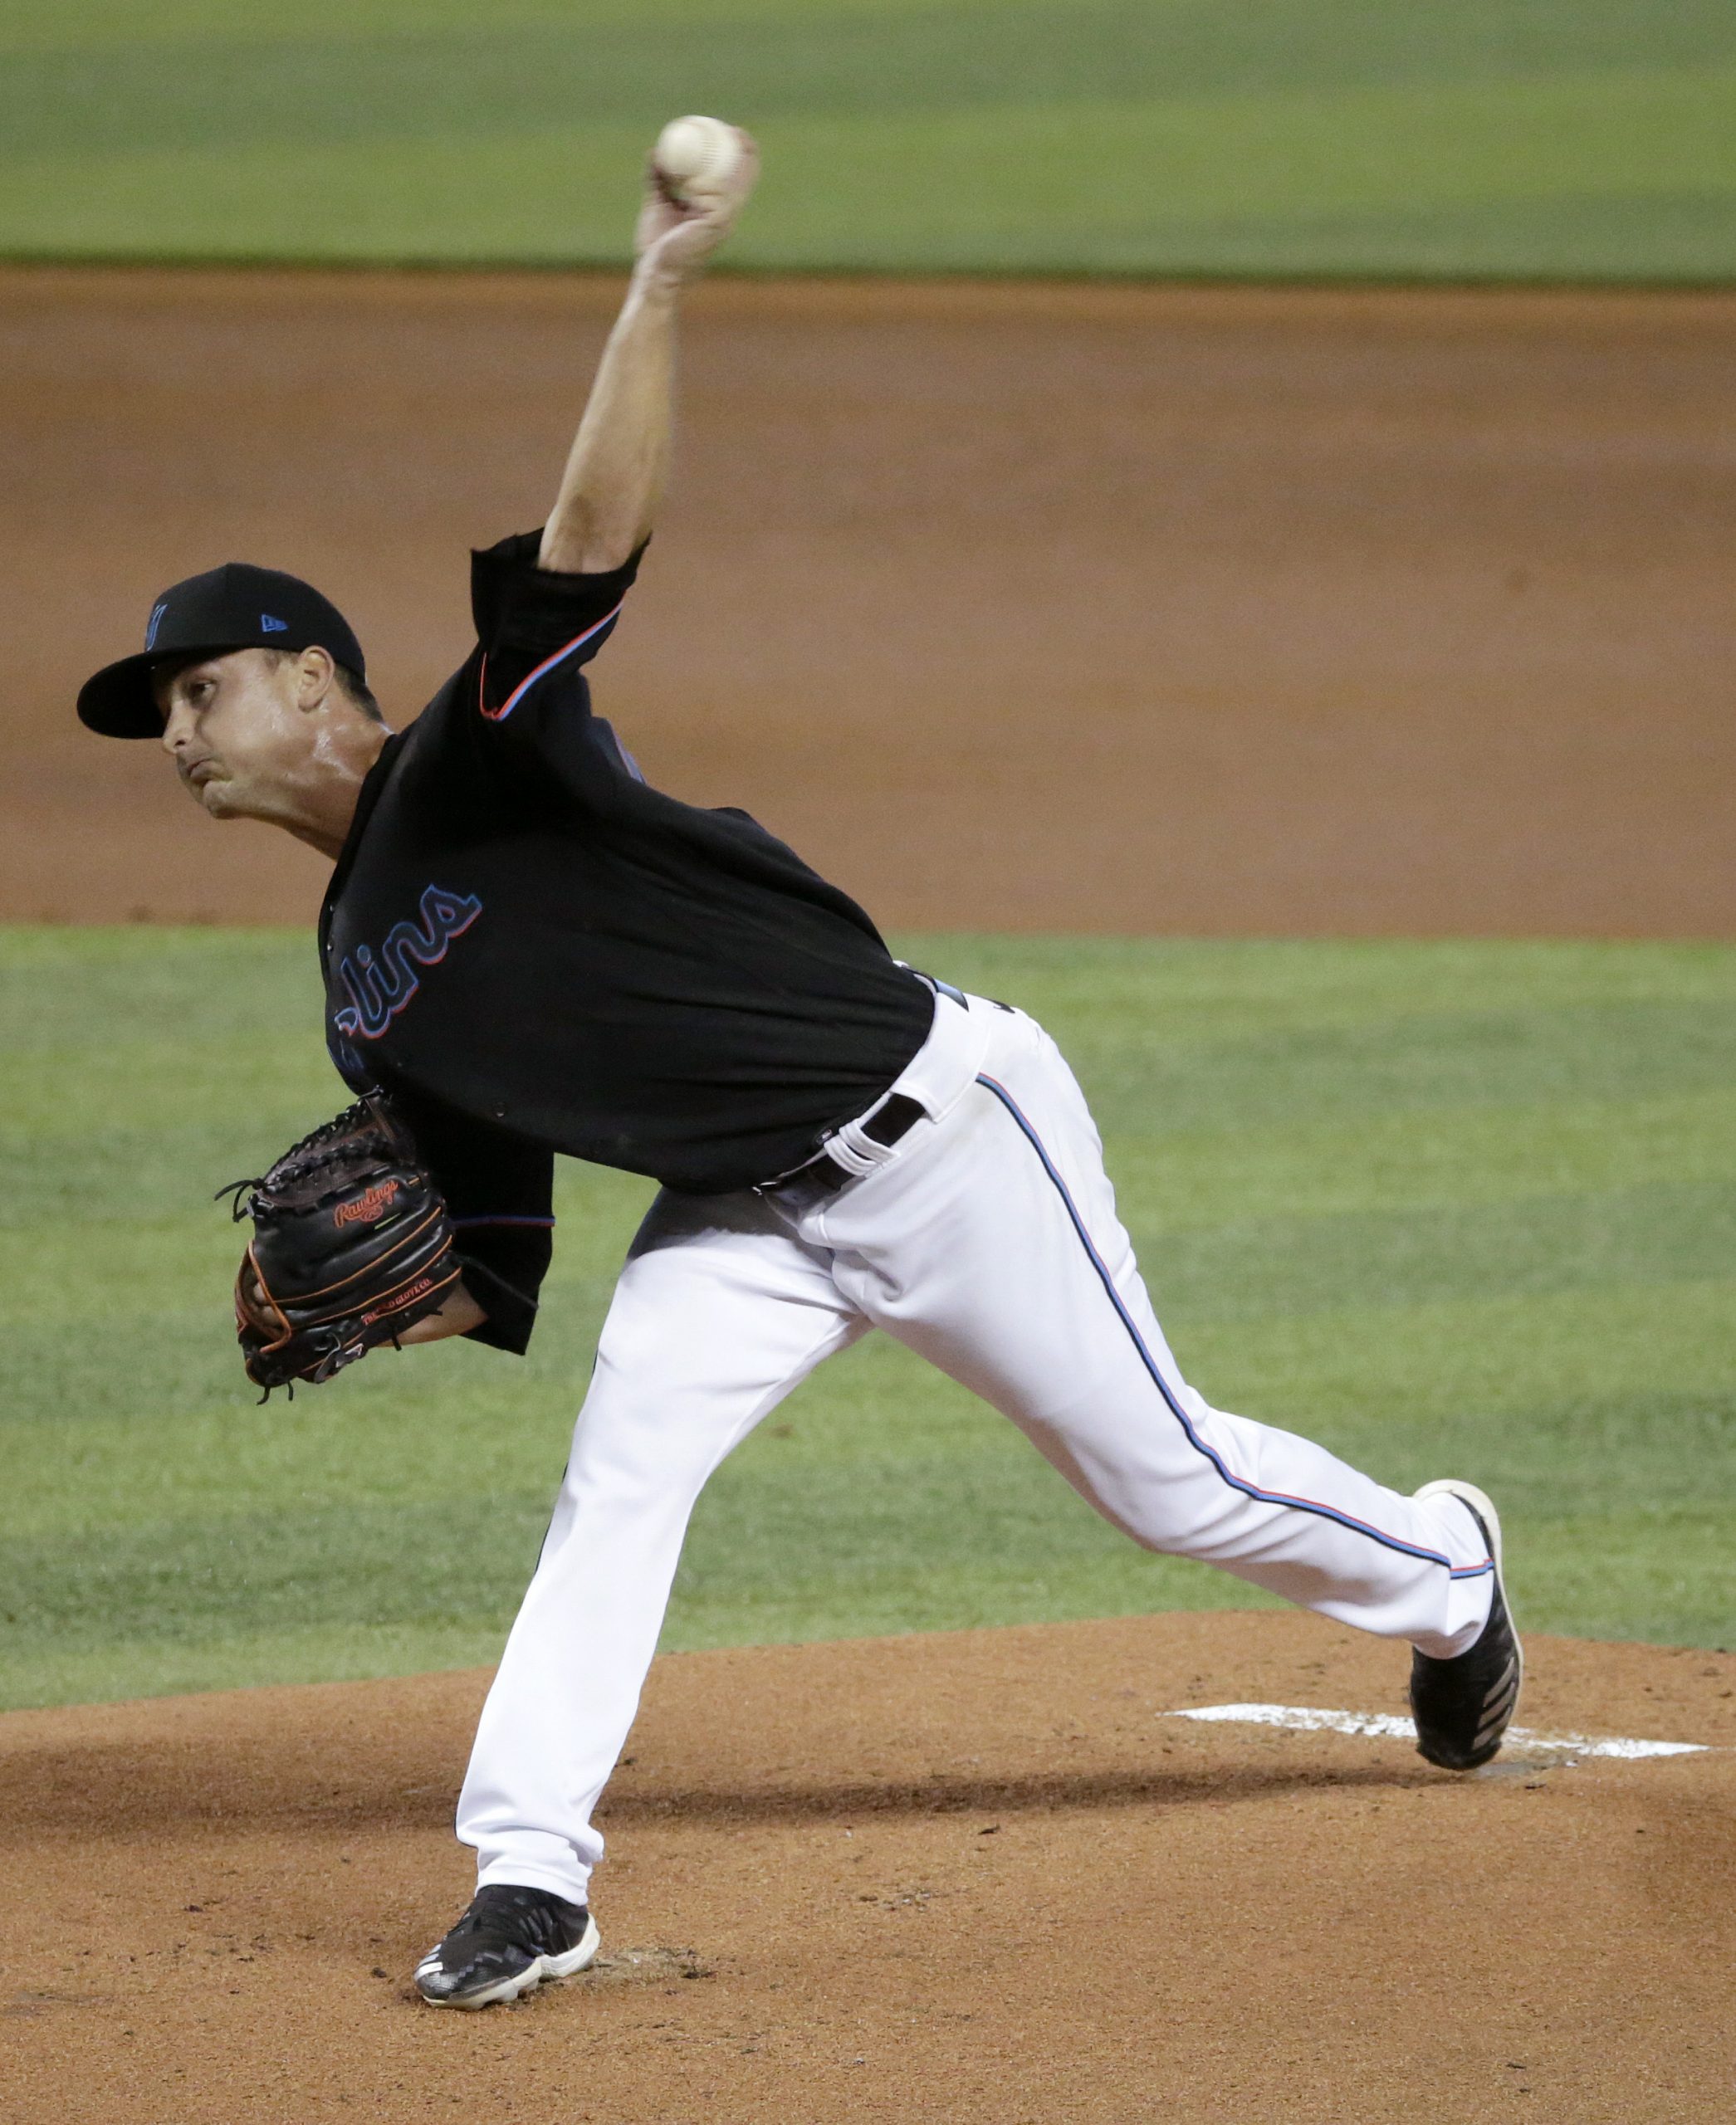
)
(269, 626)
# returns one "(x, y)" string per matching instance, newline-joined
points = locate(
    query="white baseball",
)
(695, 154)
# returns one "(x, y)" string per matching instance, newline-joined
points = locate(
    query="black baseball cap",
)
(234, 607)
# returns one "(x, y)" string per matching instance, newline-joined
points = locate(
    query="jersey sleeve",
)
(500, 1192)
(535, 629)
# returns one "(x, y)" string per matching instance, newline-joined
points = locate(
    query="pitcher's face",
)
(240, 727)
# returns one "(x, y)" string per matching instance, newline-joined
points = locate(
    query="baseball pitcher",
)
(527, 949)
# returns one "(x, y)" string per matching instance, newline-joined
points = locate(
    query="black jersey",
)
(535, 951)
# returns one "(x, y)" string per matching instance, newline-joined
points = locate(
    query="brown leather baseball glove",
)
(352, 1243)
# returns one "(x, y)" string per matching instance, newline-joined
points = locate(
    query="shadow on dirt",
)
(129, 1791)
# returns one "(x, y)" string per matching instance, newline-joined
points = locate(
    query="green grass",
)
(1446, 1206)
(1516, 138)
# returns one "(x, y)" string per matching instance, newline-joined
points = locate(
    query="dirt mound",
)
(985, 1876)
(1210, 611)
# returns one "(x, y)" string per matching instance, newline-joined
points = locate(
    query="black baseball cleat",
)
(1462, 1705)
(507, 1943)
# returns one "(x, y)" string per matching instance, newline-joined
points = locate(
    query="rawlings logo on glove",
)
(352, 1244)
(367, 1206)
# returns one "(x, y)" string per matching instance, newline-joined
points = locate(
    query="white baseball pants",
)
(987, 1240)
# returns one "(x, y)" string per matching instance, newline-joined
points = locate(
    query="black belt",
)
(886, 1125)
(896, 1119)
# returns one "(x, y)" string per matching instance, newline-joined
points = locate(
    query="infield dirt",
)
(979, 1877)
(1210, 611)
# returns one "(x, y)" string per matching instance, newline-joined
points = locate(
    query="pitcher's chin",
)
(217, 800)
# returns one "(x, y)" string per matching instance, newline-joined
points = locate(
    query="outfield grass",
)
(1447, 1207)
(1576, 138)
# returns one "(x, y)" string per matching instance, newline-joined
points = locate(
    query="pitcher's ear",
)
(316, 676)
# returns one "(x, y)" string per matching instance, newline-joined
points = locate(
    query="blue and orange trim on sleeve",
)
(594, 632)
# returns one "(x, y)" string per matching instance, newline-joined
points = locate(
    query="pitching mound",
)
(982, 1876)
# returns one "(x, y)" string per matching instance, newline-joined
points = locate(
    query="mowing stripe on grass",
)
(1568, 137)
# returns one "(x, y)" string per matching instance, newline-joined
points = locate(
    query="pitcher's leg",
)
(996, 1253)
(718, 1314)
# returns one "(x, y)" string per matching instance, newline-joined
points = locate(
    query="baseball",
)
(695, 154)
